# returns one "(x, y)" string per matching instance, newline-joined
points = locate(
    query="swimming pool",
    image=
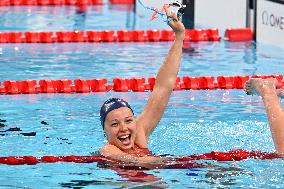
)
(194, 122)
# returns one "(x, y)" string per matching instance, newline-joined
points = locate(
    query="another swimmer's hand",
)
(260, 86)
(175, 23)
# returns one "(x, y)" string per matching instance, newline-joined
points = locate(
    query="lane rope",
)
(91, 36)
(193, 35)
(61, 2)
(12, 87)
(179, 162)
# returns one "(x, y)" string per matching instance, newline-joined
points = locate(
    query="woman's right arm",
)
(113, 153)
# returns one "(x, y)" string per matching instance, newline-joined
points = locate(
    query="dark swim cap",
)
(112, 104)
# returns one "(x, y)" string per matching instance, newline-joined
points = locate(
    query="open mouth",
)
(125, 139)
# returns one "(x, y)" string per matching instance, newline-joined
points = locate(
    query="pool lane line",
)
(62, 2)
(12, 87)
(97, 36)
(183, 162)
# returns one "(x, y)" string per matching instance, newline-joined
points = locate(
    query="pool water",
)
(54, 18)
(194, 122)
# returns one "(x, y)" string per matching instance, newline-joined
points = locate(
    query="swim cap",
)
(112, 104)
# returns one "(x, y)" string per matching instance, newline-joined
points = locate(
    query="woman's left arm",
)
(165, 80)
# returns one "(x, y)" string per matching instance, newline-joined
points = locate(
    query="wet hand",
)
(260, 86)
(175, 23)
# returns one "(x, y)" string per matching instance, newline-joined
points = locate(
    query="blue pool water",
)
(194, 121)
(50, 18)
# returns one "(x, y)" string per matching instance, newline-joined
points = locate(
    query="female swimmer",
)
(127, 135)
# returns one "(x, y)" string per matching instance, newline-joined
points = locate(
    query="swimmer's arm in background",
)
(165, 80)
(266, 88)
(275, 115)
(111, 152)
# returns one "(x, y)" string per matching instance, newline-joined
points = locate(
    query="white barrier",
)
(221, 14)
(270, 22)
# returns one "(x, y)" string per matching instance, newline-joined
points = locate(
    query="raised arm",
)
(267, 90)
(165, 80)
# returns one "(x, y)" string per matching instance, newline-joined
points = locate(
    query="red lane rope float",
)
(234, 155)
(125, 84)
(106, 36)
(239, 34)
(50, 2)
(129, 2)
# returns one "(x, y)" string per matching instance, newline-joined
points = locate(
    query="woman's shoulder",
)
(108, 150)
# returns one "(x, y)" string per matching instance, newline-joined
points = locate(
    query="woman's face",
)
(120, 128)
